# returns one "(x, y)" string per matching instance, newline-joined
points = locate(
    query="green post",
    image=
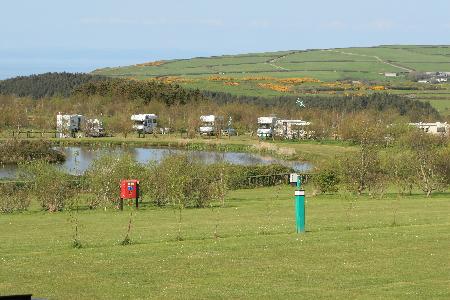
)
(299, 207)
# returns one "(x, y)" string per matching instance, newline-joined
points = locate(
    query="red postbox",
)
(129, 189)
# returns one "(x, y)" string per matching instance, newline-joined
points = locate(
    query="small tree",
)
(120, 123)
(14, 197)
(50, 185)
(399, 164)
(362, 170)
(431, 157)
(327, 179)
(102, 179)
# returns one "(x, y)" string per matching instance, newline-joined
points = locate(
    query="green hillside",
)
(307, 72)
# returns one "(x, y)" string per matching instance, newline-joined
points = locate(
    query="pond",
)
(79, 158)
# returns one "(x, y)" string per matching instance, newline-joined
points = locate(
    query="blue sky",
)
(79, 36)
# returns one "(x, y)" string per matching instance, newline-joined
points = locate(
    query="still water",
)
(78, 159)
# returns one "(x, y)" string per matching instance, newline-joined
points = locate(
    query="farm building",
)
(433, 128)
(390, 74)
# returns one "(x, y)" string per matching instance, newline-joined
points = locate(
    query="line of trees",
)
(82, 85)
(397, 156)
(144, 90)
(413, 109)
(39, 114)
(46, 85)
(175, 181)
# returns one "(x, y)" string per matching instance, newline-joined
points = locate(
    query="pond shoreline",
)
(221, 145)
(15, 151)
(80, 157)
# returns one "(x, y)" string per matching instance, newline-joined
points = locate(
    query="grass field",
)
(359, 248)
(326, 65)
(248, 73)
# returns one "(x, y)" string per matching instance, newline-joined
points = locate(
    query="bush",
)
(178, 181)
(16, 150)
(14, 197)
(102, 179)
(50, 185)
(327, 180)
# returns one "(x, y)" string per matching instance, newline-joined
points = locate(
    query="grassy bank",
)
(14, 151)
(354, 248)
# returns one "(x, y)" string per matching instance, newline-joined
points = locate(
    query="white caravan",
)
(68, 125)
(210, 124)
(94, 128)
(291, 129)
(145, 123)
(266, 126)
(433, 128)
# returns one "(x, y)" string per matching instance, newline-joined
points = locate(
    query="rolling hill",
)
(325, 65)
(306, 73)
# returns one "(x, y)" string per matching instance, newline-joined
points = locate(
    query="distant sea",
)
(35, 61)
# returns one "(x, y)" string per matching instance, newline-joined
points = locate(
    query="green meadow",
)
(354, 247)
(326, 65)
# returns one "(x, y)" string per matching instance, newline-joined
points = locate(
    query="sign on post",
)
(129, 189)
(299, 198)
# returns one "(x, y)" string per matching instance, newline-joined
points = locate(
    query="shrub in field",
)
(433, 164)
(400, 165)
(361, 171)
(327, 180)
(16, 150)
(102, 179)
(50, 185)
(14, 197)
(179, 181)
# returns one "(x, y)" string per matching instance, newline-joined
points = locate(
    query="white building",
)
(433, 128)
(390, 74)
(145, 123)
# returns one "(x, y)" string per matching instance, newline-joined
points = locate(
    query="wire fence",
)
(274, 179)
(252, 181)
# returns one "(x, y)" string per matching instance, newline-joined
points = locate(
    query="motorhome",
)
(68, 125)
(145, 123)
(291, 129)
(210, 124)
(266, 127)
(433, 128)
(94, 128)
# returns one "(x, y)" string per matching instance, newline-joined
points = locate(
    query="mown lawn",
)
(396, 247)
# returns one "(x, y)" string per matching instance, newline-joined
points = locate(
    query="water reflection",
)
(79, 158)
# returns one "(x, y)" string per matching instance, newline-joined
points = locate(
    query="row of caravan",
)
(267, 127)
(71, 125)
